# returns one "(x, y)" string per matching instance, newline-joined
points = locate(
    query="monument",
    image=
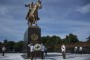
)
(33, 32)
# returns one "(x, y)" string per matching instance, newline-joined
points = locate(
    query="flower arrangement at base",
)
(37, 47)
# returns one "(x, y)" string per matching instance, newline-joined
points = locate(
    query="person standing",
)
(31, 50)
(45, 50)
(80, 50)
(3, 50)
(75, 49)
(63, 49)
(42, 51)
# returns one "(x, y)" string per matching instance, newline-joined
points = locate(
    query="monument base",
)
(32, 35)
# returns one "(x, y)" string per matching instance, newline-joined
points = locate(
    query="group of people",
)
(37, 47)
(78, 50)
(43, 50)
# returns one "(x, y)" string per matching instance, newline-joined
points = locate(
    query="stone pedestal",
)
(32, 35)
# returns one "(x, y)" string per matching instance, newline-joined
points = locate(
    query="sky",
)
(57, 17)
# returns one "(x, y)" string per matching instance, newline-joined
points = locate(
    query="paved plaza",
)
(50, 56)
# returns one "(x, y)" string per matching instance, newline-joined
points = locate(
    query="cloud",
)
(64, 27)
(12, 27)
(52, 19)
(3, 10)
(84, 9)
(82, 33)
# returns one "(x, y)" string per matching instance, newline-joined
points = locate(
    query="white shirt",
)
(63, 48)
(80, 48)
(31, 47)
(75, 48)
(42, 48)
(3, 48)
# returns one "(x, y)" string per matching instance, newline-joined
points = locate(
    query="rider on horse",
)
(32, 15)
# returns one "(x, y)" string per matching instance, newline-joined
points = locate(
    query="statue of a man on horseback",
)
(32, 15)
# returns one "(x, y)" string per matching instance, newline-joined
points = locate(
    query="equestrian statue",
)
(32, 15)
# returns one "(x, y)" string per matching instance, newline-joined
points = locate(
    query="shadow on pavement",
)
(87, 59)
(6, 59)
(51, 56)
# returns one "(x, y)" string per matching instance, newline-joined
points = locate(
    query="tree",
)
(88, 39)
(70, 39)
(0, 43)
(0, 46)
(11, 45)
(73, 38)
(66, 40)
(19, 46)
(44, 39)
(56, 39)
(5, 41)
(51, 41)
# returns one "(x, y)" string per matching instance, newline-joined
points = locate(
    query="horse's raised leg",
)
(29, 24)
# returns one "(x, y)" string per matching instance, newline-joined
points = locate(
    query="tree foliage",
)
(70, 38)
(19, 46)
(88, 39)
(0, 43)
(50, 41)
(53, 40)
(10, 45)
(5, 41)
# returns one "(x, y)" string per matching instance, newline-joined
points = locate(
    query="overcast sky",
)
(57, 17)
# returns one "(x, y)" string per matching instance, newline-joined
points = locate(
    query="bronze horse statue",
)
(32, 15)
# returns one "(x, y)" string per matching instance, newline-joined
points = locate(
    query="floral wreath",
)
(37, 47)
